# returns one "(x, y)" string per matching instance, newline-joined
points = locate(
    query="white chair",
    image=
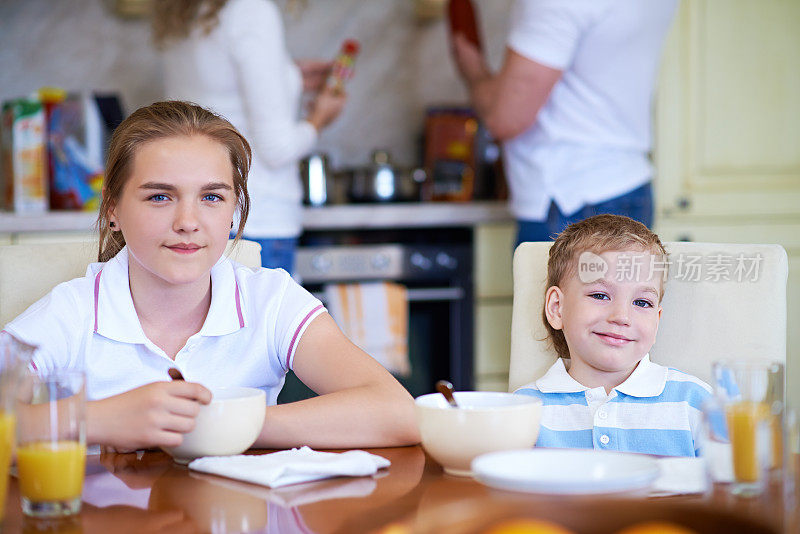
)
(703, 320)
(29, 272)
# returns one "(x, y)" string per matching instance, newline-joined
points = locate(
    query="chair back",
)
(721, 301)
(28, 272)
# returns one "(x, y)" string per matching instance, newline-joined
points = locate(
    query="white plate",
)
(566, 471)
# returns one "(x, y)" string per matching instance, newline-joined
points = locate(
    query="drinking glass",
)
(792, 456)
(14, 358)
(51, 444)
(715, 442)
(750, 393)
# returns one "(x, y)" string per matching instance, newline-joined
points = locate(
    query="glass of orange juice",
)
(751, 396)
(51, 443)
(14, 358)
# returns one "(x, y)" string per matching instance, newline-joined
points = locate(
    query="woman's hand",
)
(155, 415)
(326, 107)
(315, 72)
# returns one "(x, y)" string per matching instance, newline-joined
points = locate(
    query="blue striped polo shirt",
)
(655, 411)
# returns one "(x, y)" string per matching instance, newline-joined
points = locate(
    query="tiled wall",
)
(404, 66)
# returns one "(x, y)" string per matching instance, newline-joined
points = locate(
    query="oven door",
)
(439, 326)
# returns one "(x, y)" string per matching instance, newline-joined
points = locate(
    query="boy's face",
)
(609, 313)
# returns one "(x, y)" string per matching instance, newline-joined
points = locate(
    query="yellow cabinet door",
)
(727, 136)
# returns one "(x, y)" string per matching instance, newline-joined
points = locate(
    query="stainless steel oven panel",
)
(316, 265)
(427, 294)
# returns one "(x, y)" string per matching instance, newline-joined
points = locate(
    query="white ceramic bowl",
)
(484, 422)
(228, 425)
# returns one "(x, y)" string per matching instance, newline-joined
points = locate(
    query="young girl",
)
(164, 296)
(231, 56)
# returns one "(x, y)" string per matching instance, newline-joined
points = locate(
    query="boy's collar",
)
(647, 380)
(558, 380)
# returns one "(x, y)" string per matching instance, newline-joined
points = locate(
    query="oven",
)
(436, 268)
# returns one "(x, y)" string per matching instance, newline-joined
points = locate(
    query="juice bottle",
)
(51, 471)
(7, 425)
(343, 65)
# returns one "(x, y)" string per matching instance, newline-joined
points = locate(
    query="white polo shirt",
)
(249, 337)
(656, 410)
(591, 139)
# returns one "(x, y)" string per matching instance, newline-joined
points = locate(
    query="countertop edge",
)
(337, 217)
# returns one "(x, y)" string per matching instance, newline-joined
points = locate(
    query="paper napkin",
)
(292, 466)
(680, 475)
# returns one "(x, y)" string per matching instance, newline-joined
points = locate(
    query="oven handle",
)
(427, 294)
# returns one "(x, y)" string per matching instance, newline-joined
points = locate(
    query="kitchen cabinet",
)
(727, 112)
(727, 135)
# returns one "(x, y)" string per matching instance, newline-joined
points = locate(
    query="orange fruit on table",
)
(527, 526)
(656, 527)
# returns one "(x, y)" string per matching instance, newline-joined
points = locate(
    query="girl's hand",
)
(315, 72)
(155, 415)
(326, 107)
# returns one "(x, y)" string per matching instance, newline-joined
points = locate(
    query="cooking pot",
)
(381, 182)
(317, 180)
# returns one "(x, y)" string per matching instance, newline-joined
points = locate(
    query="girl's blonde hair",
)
(598, 234)
(175, 19)
(158, 121)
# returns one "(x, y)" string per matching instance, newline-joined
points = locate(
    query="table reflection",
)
(150, 493)
(169, 497)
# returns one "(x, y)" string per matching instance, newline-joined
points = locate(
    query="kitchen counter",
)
(405, 215)
(337, 217)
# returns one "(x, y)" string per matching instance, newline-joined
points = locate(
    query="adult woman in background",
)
(230, 56)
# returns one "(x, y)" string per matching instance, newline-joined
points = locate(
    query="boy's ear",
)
(658, 320)
(553, 300)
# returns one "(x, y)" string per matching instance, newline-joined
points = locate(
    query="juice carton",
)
(23, 182)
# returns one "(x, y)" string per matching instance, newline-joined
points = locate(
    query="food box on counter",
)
(23, 180)
(75, 147)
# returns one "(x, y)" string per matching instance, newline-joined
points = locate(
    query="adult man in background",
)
(572, 106)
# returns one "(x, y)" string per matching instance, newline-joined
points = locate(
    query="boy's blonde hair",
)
(598, 234)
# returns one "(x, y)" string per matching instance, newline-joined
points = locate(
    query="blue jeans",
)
(277, 253)
(638, 204)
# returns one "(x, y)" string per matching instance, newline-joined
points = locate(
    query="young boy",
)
(605, 279)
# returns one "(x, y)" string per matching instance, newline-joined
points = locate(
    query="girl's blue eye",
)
(599, 296)
(213, 197)
(158, 197)
(643, 303)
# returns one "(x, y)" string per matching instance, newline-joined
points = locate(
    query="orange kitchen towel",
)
(374, 316)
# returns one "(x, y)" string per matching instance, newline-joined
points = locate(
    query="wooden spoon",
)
(446, 388)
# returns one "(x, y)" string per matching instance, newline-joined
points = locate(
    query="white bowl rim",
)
(234, 393)
(520, 401)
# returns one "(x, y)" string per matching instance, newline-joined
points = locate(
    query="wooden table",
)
(150, 493)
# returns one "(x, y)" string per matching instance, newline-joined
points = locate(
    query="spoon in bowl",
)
(446, 388)
(175, 374)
